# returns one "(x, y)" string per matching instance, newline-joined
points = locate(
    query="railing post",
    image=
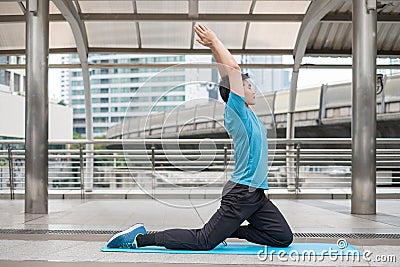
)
(153, 169)
(11, 171)
(225, 162)
(82, 171)
(297, 169)
(290, 179)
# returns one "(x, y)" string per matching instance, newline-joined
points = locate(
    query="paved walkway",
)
(20, 247)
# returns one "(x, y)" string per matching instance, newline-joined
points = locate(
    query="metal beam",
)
(105, 50)
(197, 66)
(168, 17)
(138, 35)
(347, 18)
(363, 124)
(193, 9)
(37, 108)
(328, 18)
(22, 7)
(246, 31)
(68, 10)
(316, 11)
(129, 50)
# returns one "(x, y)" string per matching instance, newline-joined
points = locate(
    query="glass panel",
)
(106, 6)
(60, 35)
(224, 7)
(8, 8)
(281, 7)
(272, 35)
(230, 33)
(165, 34)
(162, 6)
(111, 33)
(12, 36)
(53, 8)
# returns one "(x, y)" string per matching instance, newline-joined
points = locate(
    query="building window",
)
(76, 83)
(104, 81)
(79, 121)
(80, 130)
(104, 100)
(78, 102)
(103, 110)
(79, 111)
(114, 100)
(77, 92)
(100, 120)
(100, 129)
(104, 91)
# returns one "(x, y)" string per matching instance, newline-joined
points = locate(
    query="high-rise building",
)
(13, 79)
(64, 81)
(118, 93)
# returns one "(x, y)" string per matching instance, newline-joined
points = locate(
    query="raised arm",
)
(227, 64)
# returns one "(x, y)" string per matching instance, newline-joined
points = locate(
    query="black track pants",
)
(267, 226)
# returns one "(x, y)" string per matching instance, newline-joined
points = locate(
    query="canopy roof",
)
(155, 26)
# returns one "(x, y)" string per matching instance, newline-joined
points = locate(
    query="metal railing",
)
(151, 164)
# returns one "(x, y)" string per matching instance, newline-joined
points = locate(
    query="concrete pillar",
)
(363, 199)
(36, 111)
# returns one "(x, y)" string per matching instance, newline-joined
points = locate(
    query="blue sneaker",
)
(127, 238)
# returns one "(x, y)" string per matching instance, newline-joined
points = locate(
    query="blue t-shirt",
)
(250, 143)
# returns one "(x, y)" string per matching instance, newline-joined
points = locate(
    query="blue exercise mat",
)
(246, 248)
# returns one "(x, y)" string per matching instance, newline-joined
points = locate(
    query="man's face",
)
(249, 93)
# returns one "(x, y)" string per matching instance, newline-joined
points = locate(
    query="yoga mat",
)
(246, 248)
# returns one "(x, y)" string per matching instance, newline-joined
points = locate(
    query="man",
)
(243, 195)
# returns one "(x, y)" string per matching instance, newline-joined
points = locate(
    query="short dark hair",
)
(224, 86)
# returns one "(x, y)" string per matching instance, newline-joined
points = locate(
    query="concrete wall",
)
(12, 120)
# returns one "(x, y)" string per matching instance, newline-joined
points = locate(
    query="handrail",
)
(318, 163)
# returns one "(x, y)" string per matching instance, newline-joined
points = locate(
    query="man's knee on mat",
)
(285, 240)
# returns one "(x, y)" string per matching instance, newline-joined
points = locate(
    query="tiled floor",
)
(316, 216)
